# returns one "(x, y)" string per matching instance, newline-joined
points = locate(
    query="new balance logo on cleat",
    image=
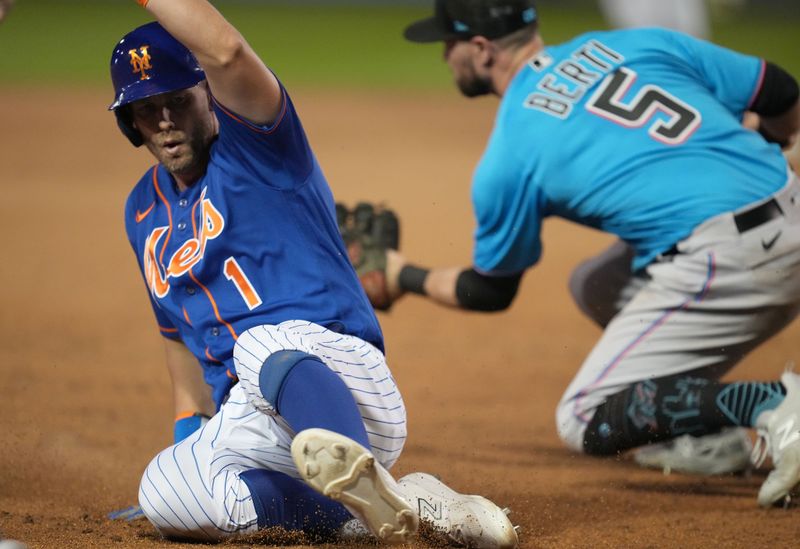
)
(467, 520)
(429, 510)
(787, 433)
(782, 438)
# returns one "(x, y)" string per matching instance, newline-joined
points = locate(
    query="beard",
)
(472, 85)
(190, 152)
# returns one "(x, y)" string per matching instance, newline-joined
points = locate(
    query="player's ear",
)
(485, 51)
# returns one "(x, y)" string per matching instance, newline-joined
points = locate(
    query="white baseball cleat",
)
(471, 521)
(721, 453)
(343, 470)
(779, 432)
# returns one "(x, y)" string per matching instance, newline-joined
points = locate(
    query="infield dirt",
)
(84, 394)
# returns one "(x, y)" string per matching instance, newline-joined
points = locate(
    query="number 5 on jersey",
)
(607, 102)
(235, 274)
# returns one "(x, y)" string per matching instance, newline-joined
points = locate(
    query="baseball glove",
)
(368, 231)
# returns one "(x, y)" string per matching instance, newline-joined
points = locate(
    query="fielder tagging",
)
(637, 133)
(292, 417)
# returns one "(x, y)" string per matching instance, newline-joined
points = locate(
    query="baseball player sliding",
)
(637, 133)
(292, 417)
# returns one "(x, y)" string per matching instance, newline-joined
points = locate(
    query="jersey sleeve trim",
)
(759, 83)
(266, 130)
(184, 415)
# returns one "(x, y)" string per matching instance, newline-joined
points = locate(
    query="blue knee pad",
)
(306, 393)
(276, 368)
(280, 500)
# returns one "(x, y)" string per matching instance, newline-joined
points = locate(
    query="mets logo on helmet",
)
(140, 61)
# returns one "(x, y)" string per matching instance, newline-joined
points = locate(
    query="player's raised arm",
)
(238, 79)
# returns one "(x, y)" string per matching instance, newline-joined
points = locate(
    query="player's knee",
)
(178, 514)
(570, 429)
(582, 281)
(606, 434)
(600, 284)
(275, 370)
(162, 505)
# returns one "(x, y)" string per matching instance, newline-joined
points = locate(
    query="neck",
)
(190, 175)
(185, 180)
(509, 63)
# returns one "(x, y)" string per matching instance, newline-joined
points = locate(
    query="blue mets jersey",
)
(636, 132)
(254, 242)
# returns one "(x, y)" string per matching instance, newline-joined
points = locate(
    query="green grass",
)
(68, 43)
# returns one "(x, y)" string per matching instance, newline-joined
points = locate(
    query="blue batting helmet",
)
(149, 61)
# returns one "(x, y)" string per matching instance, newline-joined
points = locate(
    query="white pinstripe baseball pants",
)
(193, 489)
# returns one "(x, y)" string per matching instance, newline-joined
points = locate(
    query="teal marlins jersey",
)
(635, 132)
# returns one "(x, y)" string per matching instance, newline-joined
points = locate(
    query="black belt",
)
(759, 215)
(748, 219)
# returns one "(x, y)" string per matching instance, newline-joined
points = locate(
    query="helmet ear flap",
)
(125, 123)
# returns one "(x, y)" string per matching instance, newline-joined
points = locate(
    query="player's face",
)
(459, 57)
(178, 128)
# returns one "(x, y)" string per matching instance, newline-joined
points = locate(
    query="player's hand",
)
(369, 232)
(5, 7)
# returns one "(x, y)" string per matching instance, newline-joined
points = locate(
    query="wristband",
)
(412, 279)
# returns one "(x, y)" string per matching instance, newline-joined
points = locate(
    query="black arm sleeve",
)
(479, 292)
(779, 92)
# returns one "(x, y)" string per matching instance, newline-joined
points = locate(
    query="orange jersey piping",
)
(169, 214)
(214, 306)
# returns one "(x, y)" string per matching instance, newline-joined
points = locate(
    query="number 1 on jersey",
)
(235, 274)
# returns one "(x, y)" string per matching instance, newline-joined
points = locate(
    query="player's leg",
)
(337, 393)
(307, 374)
(653, 374)
(314, 377)
(232, 477)
(468, 520)
(602, 285)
